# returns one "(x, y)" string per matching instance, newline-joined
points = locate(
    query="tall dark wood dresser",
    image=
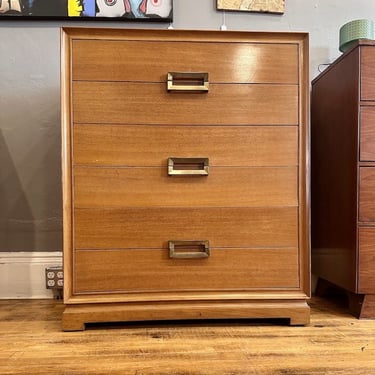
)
(343, 177)
(185, 175)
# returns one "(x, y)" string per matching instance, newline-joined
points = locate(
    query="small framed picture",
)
(263, 6)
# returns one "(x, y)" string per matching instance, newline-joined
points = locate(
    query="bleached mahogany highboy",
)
(185, 175)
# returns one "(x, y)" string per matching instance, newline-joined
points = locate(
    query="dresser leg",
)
(72, 321)
(300, 317)
(355, 303)
(362, 306)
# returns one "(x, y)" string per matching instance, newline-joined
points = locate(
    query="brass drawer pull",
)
(188, 166)
(189, 249)
(179, 81)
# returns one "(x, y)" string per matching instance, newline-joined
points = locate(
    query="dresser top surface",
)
(165, 34)
(357, 44)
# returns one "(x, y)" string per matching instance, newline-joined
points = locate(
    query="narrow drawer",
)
(367, 194)
(151, 104)
(153, 187)
(367, 134)
(367, 73)
(154, 227)
(152, 270)
(366, 277)
(150, 61)
(142, 145)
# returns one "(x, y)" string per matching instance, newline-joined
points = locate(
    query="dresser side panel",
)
(304, 167)
(334, 139)
(66, 161)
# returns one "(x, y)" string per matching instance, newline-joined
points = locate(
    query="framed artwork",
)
(126, 10)
(264, 6)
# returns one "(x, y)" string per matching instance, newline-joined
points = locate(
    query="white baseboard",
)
(22, 274)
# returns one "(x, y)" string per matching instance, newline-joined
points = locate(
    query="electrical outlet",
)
(54, 277)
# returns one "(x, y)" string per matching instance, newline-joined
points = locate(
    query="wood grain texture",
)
(367, 194)
(304, 157)
(66, 155)
(152, 270)
(225, 145)
(367, 73)
(116, 113)
(343, 176)
(151, 104)
(334, 158)
(31, 342)
(367, 133)
(76, 317)
(110, 60)
(154, 227)
(227, 187)
(158, 35)
(366, 274)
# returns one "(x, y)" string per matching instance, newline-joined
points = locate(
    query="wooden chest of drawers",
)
(343, 177)
(185, 175)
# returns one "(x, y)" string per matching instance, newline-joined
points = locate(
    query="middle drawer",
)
(367, 134)
(154, 227)
(151, 146)
(97, 187)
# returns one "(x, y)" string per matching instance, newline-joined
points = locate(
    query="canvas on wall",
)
(267, 6)
(155, 10)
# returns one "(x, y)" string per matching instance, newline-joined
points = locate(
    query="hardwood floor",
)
(31, 342)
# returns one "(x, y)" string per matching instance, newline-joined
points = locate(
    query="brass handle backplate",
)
(181, 81)
(189, 249)
(188, 166)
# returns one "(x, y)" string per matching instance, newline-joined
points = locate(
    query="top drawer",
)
(135, 103)
(150, 61)
(367, 73)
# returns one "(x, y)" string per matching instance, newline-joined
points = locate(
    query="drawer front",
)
(150, 61)
(152, 270)
(367, 134)
(151, 104)
(366, 277)
(154, 227)
(367, 73)
(367, 194)
(152, 145)
(152, 187)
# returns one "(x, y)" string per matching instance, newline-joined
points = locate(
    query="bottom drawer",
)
(366, 276)
(144, 270)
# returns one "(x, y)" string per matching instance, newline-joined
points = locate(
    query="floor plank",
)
(31, 342)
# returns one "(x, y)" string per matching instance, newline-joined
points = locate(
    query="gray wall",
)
(30, 192)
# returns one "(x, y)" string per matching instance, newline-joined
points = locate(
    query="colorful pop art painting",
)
(152, 10)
